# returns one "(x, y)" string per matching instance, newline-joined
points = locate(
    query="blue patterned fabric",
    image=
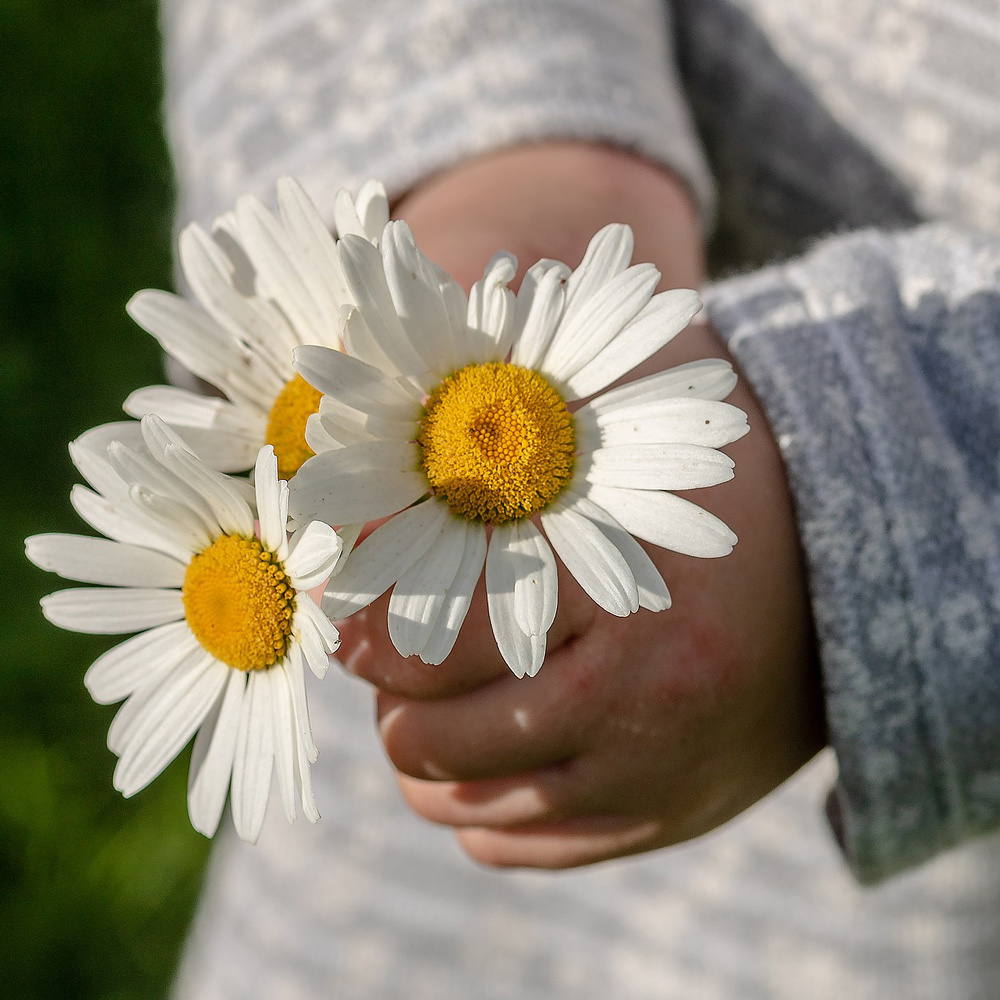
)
(876, 358)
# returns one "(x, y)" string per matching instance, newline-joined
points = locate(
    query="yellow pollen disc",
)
(239, 603)
(497, 442)
(286, 425)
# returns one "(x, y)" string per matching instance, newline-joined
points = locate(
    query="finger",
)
(504, 728)
(566, 843)
(475, 659)
(495, 802)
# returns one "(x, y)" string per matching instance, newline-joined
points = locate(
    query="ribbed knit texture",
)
(876, 358)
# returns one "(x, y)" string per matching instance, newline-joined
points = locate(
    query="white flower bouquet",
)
(358, 382)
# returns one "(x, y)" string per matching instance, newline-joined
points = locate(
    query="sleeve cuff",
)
(870, 356)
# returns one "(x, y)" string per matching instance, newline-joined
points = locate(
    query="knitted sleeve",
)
(336, 91)
(877, 358)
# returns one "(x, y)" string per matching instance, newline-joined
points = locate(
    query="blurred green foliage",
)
(95, 892)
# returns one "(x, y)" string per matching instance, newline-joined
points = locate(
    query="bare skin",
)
(638, 732)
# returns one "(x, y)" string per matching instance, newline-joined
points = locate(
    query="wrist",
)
(552, 197)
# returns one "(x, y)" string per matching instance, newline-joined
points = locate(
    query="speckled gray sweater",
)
(852, 147)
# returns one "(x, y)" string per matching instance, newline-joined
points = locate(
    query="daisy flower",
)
(451, 417)
(265, 284)
(224, 626)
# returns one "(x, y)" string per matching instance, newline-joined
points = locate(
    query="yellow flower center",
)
(497, 442)
(286, 425)
(238, 603)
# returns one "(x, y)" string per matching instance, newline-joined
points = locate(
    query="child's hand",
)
(638, 732)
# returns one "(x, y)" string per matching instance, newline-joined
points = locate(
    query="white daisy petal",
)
(99, 472)
(363, 268)
(182, 407)
(356, 384)
(652, 591)
(110, 610)
(317, 635)
(235, 262)
(304, 778)
(341, 426)
(582, 337)
(172, 717)
(658, 323)
(349, 535)
(98, 560)
(536, 644)
(285, 737)
(535, 590)
(335, 426)
(666, 520)
(246, 318)
(253, 760)
(125, 524)
(312, 553)
(656, 466)
(419, 594)
(361, 343)
(663, 421)
(171, 515)
(598, 566)
(225, 501)
(159, 439)
(708, 378)
(224, 435)
(458, 599)
(266, 243)
(292, 665)
(187, 333)
(346, 218)
(382, 558)
(315, 253)
(90, 455)
(521, 652)
(148, 475)
(281, 549)
(311, 646)
(325, 628)
(416, 294)
(608, 254)
(212, 757)
(456, 306)
(269, 502)
(138, 662)
(156, 435)
(491, 311)
(541, 300)
(319, 439)
(220, 449)
(131, 712)
(360, 483)
(372, 208)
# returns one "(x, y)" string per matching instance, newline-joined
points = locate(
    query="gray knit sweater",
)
(850, 145)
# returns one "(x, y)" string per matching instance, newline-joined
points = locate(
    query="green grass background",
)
(95, 892)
